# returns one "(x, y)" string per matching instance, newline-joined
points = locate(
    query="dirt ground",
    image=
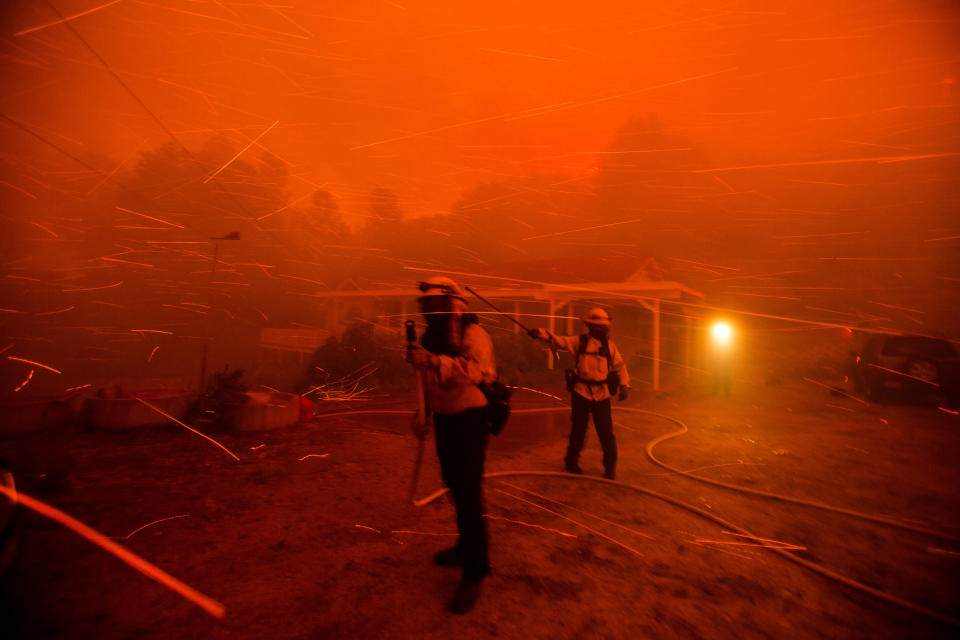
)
(330, 547)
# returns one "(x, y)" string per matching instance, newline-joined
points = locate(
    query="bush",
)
(224, 388)
(366, 356)
(522, 361)
(363, 357)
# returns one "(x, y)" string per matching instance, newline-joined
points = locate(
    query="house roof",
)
(594, 278)
(578, 270)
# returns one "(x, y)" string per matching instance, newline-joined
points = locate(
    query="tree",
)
(384, 228)
(325, 217)
(647, 168)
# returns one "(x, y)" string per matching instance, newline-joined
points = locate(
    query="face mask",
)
(437, 320)
(444, 330)
(598, 333)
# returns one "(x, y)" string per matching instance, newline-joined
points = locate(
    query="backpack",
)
(498, 399)
(496, 393)
(613, 378)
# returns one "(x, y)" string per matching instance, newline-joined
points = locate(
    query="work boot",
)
(466, 596)
(573, 467)
(452, 557)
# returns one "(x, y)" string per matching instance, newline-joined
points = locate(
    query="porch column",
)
(551, 326)
(656, 345)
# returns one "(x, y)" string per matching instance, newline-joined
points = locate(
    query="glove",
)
(420, 429)
(420, 357)
(624, 392)
(538, 334)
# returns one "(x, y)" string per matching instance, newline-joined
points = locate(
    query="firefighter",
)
(456, 355)
(591, 386)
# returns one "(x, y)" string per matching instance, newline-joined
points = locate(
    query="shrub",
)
(363, 357)
(366, 356)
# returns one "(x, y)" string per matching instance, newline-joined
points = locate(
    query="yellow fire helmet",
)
(440, 286)
(597, 316)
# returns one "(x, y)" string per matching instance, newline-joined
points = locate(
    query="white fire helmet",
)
(440, 286)
(597, 316)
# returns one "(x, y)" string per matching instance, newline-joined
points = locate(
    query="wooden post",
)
(207, 332)
(551, 325)
(656, 345)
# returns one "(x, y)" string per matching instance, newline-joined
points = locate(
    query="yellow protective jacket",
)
(592, 365)
(451, 387)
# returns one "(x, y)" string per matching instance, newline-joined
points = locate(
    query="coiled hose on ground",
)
(823, 571)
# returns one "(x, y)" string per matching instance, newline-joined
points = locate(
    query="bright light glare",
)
(721, 332)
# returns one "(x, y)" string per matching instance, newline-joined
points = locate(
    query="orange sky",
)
(431, 98)
(825, 137)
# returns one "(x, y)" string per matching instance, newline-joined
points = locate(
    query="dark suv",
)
(914, 365)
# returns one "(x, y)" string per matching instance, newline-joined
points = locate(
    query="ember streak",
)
(207, 204)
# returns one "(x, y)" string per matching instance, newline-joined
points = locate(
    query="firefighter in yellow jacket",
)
(590, 384)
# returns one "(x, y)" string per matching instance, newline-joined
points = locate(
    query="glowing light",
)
(528, 524)
(138, 264)
(835, 390)
(143, 215)
(599, 226)
(208, 604)
(24, 383)
(542, 393)
(13, 186)
(722, 333)
(150, 524)
(363, 526)
(106, 286)
(188, 428)
(38, 364)
(811, 163)
(50, 313)
(62, 20)
(580, 524)
(37, 224)
(238, 154)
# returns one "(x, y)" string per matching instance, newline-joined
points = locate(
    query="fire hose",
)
(821, 570)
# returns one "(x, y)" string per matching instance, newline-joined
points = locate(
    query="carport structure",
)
(551, 291)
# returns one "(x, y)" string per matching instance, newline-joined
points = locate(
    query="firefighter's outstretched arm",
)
(539, 334)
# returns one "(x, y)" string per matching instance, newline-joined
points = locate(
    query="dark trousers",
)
(461, 445)
(581, 410)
